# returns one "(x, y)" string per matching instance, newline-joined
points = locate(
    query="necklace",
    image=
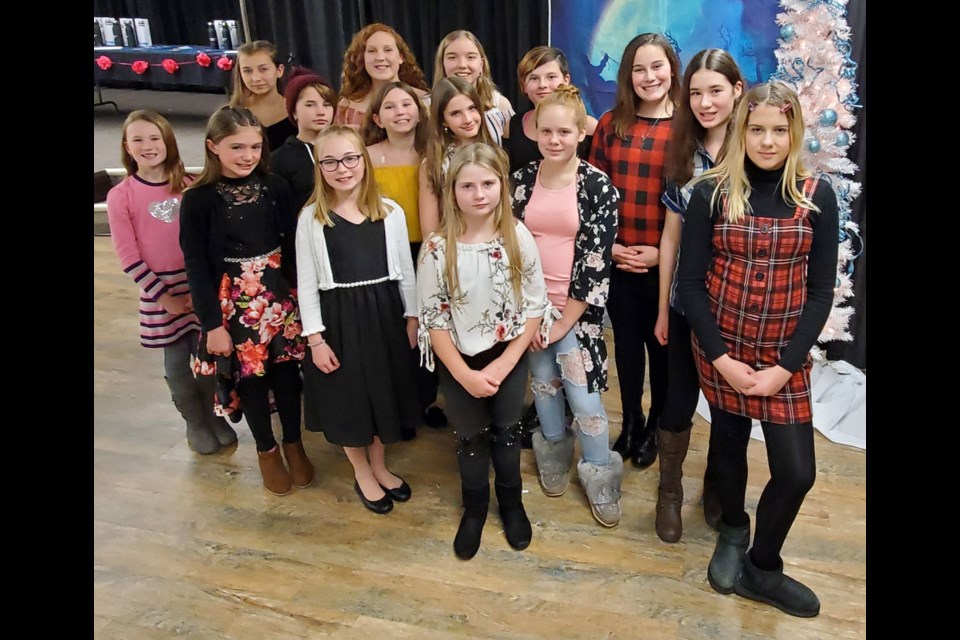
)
(646, 144)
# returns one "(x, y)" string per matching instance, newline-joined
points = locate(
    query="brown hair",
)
(173, 165)
(240, 93)
(628, 102)
(687, 131)
(445, 90)
(537, 57)
(369, 201)
(355, 82)
(226, 121)
(372, 133)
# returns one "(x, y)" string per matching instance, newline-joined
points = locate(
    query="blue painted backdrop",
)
(593, 33)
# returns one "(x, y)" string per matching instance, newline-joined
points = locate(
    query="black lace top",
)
(234, 218)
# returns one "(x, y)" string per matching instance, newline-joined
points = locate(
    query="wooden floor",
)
(192, 546)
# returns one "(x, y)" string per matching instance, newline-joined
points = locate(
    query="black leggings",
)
(284, 380)
(683, 383)
(479, 423)
(793, 469)
(633, 308)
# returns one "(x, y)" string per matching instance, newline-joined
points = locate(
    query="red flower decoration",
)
(225, 63)
(170, 65)
(104, 63)
(140, 67)
(203, 59)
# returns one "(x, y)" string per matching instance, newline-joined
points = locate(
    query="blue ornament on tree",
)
(828, 117)
(843, 139)
(813, 145)
(788, 32)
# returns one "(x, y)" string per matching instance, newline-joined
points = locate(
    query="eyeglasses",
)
(350, 162)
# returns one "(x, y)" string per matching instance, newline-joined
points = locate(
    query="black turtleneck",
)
(766, 200)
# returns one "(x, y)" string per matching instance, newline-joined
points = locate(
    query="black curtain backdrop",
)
(318, 31)
(315, 33)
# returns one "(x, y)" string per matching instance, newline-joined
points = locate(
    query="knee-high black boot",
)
(473, 459)
(506, 464)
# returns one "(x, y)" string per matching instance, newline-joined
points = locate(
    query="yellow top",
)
(401, 183)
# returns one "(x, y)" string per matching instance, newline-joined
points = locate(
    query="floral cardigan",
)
(592, 257)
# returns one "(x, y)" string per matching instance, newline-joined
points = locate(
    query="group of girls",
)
(414, 239)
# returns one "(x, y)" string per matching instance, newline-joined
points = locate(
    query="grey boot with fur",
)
(200, 436)
(554, 460)
(602, 486)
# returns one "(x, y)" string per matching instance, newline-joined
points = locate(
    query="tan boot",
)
(301, 469)
(276, 478)
(673, 451)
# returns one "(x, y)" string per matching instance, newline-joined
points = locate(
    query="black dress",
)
(373, 392)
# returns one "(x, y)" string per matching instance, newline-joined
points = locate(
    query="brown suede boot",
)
(673, 451)
(301, 469)
(276, 478)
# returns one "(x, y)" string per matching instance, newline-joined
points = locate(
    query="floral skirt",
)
(260, 311)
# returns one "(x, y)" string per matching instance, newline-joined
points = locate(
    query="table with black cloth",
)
(189, 77)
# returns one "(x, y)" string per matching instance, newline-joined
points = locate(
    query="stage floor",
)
(187, 545)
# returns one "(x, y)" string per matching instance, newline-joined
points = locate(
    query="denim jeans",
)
(558, 371)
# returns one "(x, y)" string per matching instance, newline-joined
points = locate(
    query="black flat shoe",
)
(383, 505)
(401, 493)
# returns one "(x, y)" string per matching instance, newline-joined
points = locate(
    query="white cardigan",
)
(314, 273)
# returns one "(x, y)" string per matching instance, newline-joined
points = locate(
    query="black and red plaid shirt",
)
(635, 167)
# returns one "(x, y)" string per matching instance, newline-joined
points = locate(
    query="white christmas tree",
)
(814, 58)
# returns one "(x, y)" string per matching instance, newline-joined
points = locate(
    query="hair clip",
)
(751, 106)
(786, 107)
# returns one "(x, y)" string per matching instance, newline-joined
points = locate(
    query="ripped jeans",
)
(558, 371)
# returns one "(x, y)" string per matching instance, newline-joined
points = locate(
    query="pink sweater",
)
(145, 228)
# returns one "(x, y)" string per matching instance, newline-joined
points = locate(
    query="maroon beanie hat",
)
(298, 79)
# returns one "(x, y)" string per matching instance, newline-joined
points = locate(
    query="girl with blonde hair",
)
(481, 298)
(756, 281)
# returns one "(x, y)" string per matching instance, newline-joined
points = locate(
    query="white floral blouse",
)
(485, 311)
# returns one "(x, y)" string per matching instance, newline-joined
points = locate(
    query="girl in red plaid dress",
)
(759, 250)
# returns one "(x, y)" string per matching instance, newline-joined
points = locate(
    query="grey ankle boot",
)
(554, 460)
(602, 486)
(727, 557)
(777, 589)
(200, 436)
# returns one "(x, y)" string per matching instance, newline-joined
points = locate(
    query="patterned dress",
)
(254, 299)
(757, 285)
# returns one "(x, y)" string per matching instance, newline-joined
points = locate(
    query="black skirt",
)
(373, 392)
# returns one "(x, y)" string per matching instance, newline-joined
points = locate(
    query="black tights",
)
(285, 381)
(793, 469)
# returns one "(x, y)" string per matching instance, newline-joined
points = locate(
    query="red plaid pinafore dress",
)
(757, 287)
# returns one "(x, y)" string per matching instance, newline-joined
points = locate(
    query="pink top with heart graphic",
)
(145, 224)
(145, 228)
